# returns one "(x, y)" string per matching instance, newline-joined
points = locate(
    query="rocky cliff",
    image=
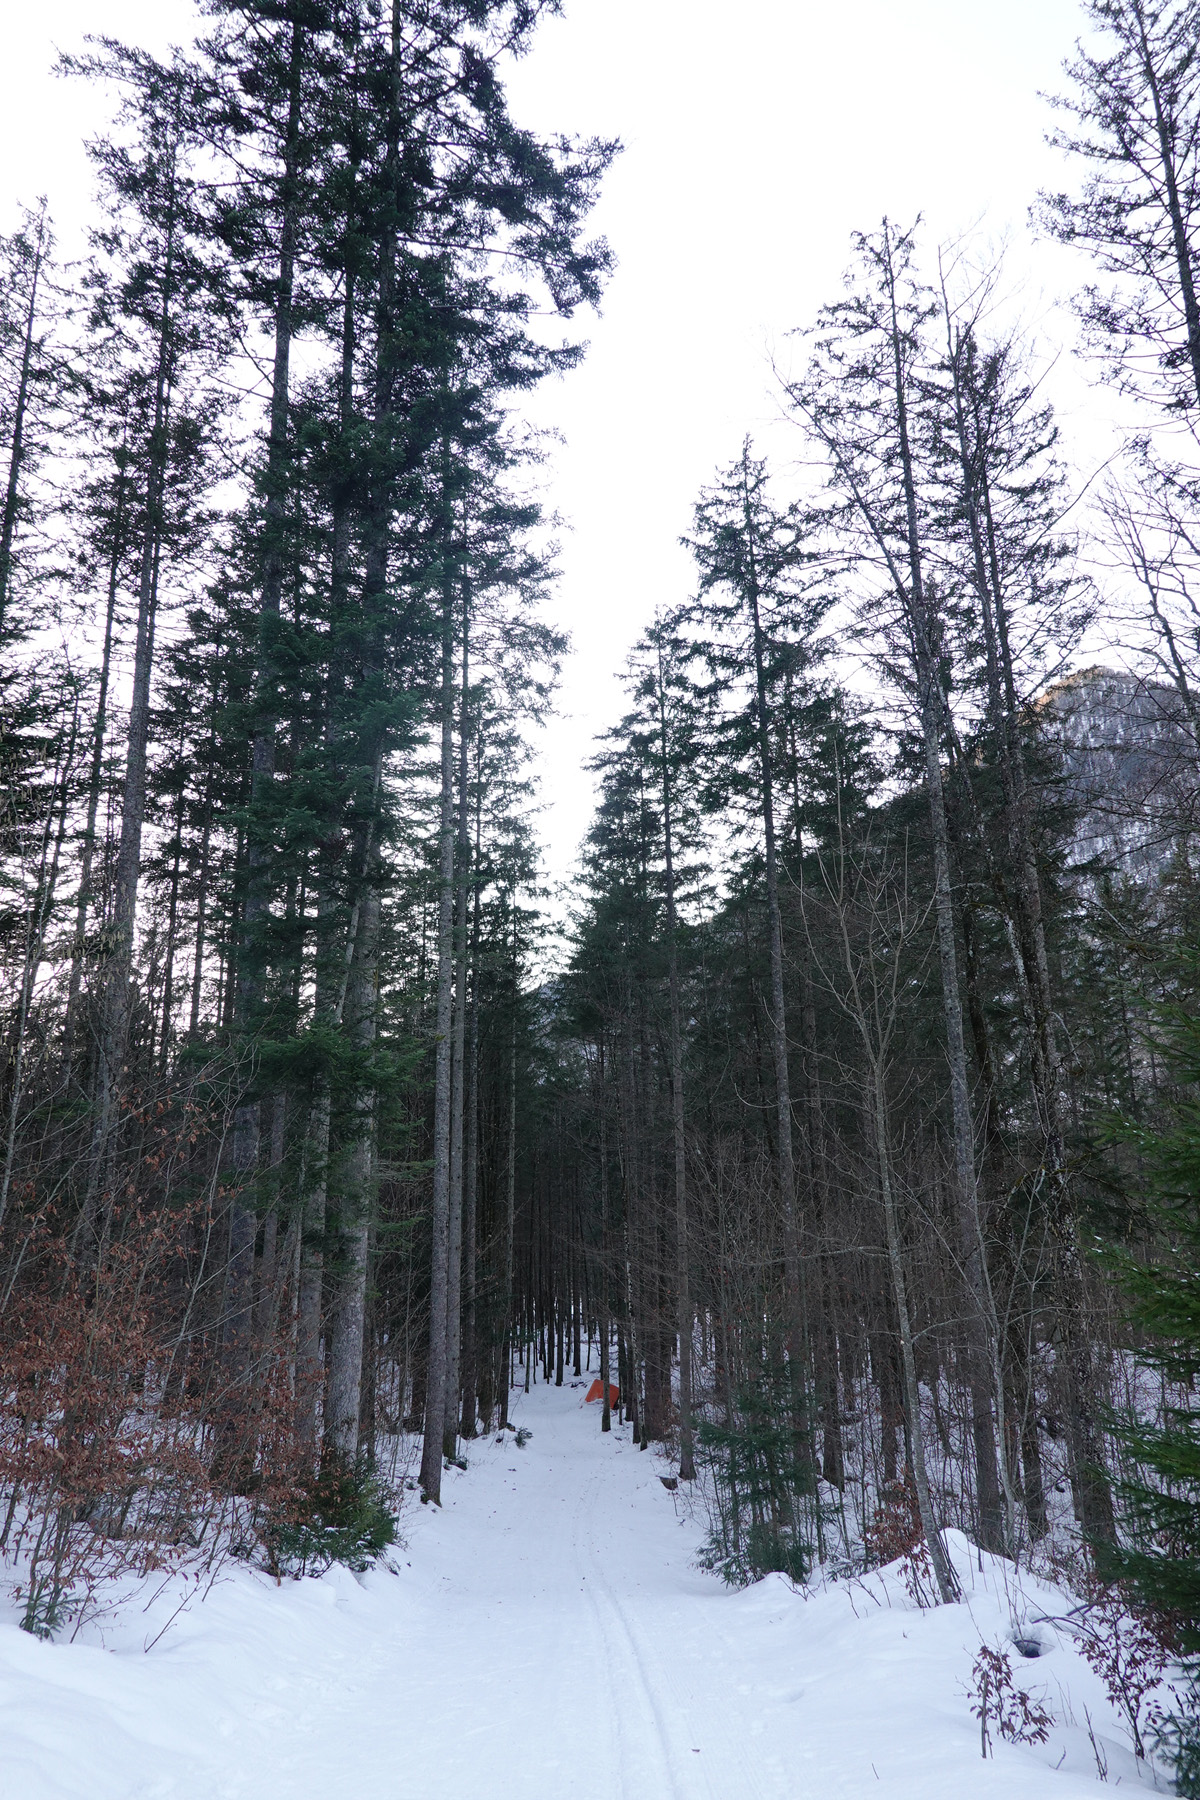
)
(1130, 758)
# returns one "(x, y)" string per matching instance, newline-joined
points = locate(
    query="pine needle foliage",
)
(341, 1515)
(761, 1471)
(1162, 1561)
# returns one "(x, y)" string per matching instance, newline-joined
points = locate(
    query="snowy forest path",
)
(555, 1639)
(651, 1666)
(595, 1675)
(544, 1635)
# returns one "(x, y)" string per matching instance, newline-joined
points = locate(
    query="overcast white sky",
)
(757, 135)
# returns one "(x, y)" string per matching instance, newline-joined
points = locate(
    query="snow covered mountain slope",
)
(546, 1634)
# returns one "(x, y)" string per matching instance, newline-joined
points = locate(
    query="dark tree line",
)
(268, 546)
(878, 1020)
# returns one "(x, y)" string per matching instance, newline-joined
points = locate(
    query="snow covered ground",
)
(547, 1634)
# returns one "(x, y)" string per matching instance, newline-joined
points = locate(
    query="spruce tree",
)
(1158, 1559)
(1161, 1559)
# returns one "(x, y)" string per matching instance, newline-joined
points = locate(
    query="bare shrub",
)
(996, 1699)
(1129, 1655)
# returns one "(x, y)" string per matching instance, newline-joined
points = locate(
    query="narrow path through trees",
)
(547, 1634)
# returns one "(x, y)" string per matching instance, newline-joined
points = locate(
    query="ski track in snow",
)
(547, 1637)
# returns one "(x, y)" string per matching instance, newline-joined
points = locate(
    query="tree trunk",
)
(603, 1287)
(16, 454)
(1167, 135)
(259, 853)
(779, 1033)
(470, 1366)
(348, 1305)
(970, 1231)
(117, 960)
(458, 1090)
(435, 1392)
(683, 1296)
(35, 947)
(510, 1206)
(1076, 1373)
(83, 899)
(309, 1368)
(942, 1569)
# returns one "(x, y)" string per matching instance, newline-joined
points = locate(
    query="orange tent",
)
(596, 1392)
